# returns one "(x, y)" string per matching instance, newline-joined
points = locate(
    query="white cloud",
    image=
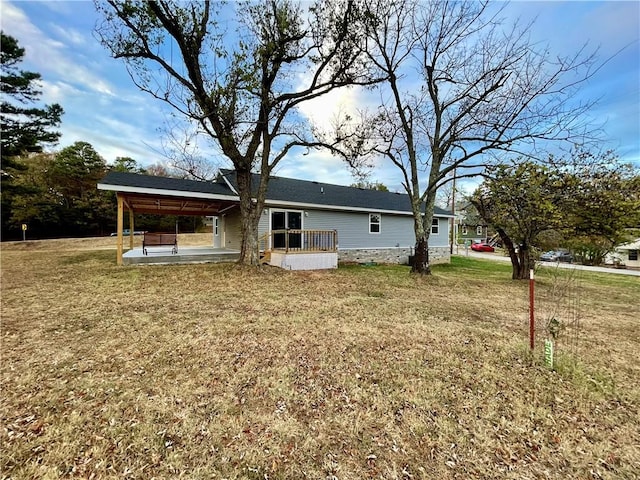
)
(58, 7)
(111, 145)
(323, 111)
(48, 55)
(71, 35)
(57, 92)
(613, 24)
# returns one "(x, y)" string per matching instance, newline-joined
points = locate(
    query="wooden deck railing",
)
(263, 242)
(303, 241)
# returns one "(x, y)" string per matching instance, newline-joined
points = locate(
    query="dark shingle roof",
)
(318, 193)
(280, 189)
(137, 180)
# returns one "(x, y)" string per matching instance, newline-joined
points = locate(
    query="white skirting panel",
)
(304, 261)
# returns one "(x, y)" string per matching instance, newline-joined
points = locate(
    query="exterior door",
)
(294, 222)
(283, 220)
(279, 222)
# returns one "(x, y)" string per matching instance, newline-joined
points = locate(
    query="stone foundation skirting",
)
(397, 255)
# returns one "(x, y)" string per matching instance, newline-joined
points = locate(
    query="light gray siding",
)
(232, 227)
(263, 223)
(232, 230)
(353, 229)
(441, 239)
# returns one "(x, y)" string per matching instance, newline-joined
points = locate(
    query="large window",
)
(374, 223)
(633, 255)
(435, 226)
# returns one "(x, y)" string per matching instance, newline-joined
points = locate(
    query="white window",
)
(374, 222)
(435, 226)
(479, 230)
(215, 226)
(464, 230)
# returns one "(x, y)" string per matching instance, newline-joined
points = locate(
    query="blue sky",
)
(104, 108)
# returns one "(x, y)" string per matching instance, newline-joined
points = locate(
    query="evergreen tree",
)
(25, 128)
(60, 197)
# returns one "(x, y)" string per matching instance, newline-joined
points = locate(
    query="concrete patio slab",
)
(162, 255)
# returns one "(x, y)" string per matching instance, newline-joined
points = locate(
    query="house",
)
(627, 254)
(470, 226)
(474, 233)
(305, 224)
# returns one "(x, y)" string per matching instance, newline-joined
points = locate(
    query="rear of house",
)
(370, 225)
(304, 225)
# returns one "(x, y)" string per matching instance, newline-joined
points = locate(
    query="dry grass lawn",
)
(214, 371)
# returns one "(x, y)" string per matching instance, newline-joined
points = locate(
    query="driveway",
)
(498, 257)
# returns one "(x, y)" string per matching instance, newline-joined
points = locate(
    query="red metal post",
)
(531, 311)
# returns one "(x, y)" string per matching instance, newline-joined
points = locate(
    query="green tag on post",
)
(548, 353)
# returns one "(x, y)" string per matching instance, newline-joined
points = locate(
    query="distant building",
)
(470, 226)
(626, 254)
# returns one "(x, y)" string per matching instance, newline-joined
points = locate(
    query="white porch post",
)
(222, 230)
(216, 232)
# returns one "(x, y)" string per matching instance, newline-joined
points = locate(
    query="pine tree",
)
(25, 128)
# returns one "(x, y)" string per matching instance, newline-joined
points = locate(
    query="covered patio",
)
(285, 245)
(168, 196)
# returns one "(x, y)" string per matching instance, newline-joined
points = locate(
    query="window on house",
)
(465, 231)
(479, 230)
(435, 226)
(633, 255)
(374, 223)
(215, 226)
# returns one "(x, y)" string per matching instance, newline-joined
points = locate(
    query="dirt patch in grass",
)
(215, 371)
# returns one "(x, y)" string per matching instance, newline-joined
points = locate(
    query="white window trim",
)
(216, 226)
(479, 230)
(435, 226)
(379, 223)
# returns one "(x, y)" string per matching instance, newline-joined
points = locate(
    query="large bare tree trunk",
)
(249, 217)
(421, 259)
(249, 243)
(421, 263)
(422, 218)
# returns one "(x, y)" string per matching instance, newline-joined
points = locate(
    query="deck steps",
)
(265, 257)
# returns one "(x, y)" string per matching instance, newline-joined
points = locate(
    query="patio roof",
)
(166, 205)
(169, 196)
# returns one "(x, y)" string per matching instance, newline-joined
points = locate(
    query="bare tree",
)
(240, 74)
(482, 88)
(181, 147)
